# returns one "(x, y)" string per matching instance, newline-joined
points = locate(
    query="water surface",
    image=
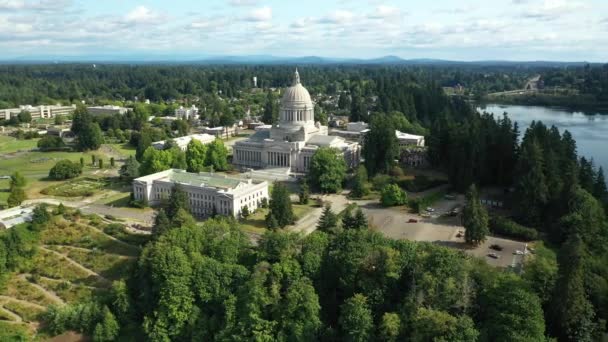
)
(589, 130)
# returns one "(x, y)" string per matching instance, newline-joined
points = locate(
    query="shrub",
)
(65, 169)
(392, 195)
(504, 226)
(51, 142)
(380, 181)
(420, 183)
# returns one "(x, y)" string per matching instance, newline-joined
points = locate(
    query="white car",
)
(430, 210)
(518, 252)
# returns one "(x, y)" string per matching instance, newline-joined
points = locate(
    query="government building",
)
(208, 193)
(291, 143)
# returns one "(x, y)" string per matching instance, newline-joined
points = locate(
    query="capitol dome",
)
(296, 104)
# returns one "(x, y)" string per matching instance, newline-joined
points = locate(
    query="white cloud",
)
(338, 17)
(41, 5)
(385, 12)
(243, 2)
(142, 15)
(260, 14)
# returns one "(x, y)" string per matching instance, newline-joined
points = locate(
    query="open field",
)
(79, 187)
(256, 222)
(75, 260)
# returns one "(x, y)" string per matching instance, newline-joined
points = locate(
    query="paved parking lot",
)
(393, 222)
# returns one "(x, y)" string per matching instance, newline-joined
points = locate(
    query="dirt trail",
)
(88, 250)
(51, 295)
(14, 317)
(74, 263)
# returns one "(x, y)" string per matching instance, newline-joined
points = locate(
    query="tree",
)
(100, 163)
(474, 218)
(50, 142)
(328, 220)
(196, 156)
(112, 162)
(93, 159)
(271, 111)
(217, 155)
(16, 197)
(360, 183)
(356, 321)
(360, 220)
(531, 190)
(40, 215)
(327, 170)
(392, 195)
(344, 101)
(381, 147)
(435, 325)
(90, 137)
(177, 200)
(65, 169)
(17, 180)
(24, 116)
(106, 330)
(280, 206)
(81, 162)
(130, 169)
(245, 211)
(390, 327)
(162, 223)
(183, 219)
(571, 312)
(304, 193)
(348, 221)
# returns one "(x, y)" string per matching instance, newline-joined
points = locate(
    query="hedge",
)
(504, 226)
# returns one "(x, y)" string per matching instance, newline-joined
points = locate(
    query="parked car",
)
(496, 247)
(518, 252)
(430, 210)
(493, 255)
(412, 221)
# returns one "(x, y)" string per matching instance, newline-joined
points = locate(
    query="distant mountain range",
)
(269, 59)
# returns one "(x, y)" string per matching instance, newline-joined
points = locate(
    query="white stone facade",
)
(182, 142)
(291, 143)
(107, 110)
(208, 193)
(186, 113)
(38, 112)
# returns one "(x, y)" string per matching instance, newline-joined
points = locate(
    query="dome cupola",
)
(296, 104)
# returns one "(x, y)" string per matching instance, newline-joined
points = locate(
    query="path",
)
(24, 302)
(15, 318)
(52, 296)
(308, 223)
(88, 250)
(77, 265)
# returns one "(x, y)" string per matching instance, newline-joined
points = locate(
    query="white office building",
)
(406, 139)
(208, 193)
(107, 110)
(38, 112)
(292, 142)
(186, 113)
(182, 142)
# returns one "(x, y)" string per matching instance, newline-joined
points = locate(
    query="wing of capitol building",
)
(291, 143)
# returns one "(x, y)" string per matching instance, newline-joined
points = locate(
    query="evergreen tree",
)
(245, 211)
(162, 223)
(360, 220)
(474, 218)
(360, 183)
(571, 312)
(271, 222)
(280, 206)
(304, 193)
(271, 110)
(16, 196)
(130, 169)
(600, 191)
(344, 101)
(531, 190)
(328, 220)
(381, 147)
(348, 221)
(107, 330)
(177, 200)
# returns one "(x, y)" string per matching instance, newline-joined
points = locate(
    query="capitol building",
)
(291, 143)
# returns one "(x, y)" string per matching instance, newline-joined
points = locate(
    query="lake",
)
(589, 130)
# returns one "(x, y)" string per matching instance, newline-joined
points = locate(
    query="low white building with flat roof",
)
(182, 142)
(107, 110)
(38, 112)
(208, 193)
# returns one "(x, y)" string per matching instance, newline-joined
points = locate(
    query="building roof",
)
(204, 179)
(324, 140)
(401, 135)
(296, 95)
(258, 136)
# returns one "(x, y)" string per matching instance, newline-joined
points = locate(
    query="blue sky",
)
(567, 30)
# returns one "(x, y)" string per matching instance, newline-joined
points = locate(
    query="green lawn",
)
(256, 222)
(12, 145)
